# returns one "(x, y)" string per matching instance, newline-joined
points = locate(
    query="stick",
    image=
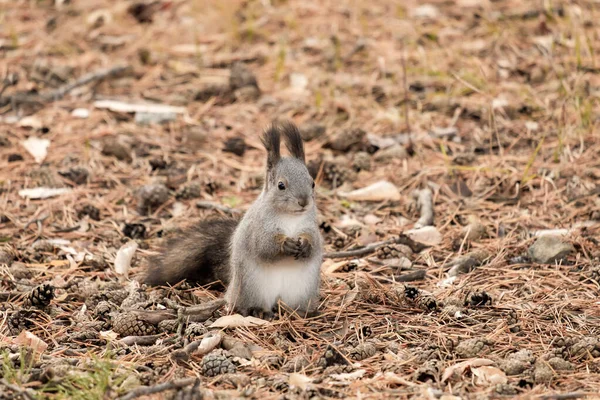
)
(24, 392)
(425, 202)
(59, 93)
(139, 340)
(402, 239)
(208, 205)
(147, 390)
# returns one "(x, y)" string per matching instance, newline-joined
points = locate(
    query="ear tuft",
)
(271, 139)
(293, 140)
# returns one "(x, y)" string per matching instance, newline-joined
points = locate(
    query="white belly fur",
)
(289, 280)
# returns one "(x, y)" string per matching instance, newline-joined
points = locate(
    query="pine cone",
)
(338, 369)
(427, 303)
(362, 351)
(513, 321)
(40, 297)
(116, 296)
(217, 363)
(103, 309)
(388, 251)
(20, 320)
(362, 161)
(478, 299)
(335, 174)
(195, 330)
(128, 324)
(168, 325)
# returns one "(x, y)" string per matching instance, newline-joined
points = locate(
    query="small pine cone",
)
(512, 321)
(116, 296)
(40, 297)
(362, 161)
(411, 293)
(134, 299)
(427, 303)
(332, 357)
(192, 190)
(430, 371)
(478, 298)
(388, 251)
(128, 324)
(594, 274)
(168, 325)
(362, 351)
(336, 173)
(217, 363)
(195, 330)
(338, 369)
(20, 320)
(103, 309)
(339, 243)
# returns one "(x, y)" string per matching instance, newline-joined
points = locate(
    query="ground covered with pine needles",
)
(456, 151)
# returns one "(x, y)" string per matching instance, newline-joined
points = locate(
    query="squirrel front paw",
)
(297, 248)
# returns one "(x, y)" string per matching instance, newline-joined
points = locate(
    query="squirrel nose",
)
(303, 202)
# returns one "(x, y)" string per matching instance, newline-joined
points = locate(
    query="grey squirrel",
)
(273, 253)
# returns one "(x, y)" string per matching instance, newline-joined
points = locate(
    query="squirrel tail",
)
(200, 255)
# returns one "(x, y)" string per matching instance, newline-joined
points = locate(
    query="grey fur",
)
(259, 239)
(200, 255)
(242, 255)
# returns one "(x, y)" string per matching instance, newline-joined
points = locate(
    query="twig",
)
(64, 89)
(139, 340)
(409, 145)
(208, 205)
(425, 202)
(564, 396)
(402, 239)
(147, 390)
(26, 393)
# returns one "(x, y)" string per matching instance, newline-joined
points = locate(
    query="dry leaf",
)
(428, 235)
(30, 122)
(124, 257)
(462, 366)
(487, 375)
(208, 344)
(31, 341)
(119, 106)
(37, 147)
(42, 192)
(108, 335)
(299, 381)
(379, 191)
(349, 376)
(236, 320)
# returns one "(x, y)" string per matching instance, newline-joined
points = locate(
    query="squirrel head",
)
(288, 184)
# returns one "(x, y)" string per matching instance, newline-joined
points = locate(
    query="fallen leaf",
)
(42, 192)
(236, 320)
(108, 335)
(37, 147)
(124, 257)
(80, 113)
(349, 376)
(379, 191)
(208, 344)
(28, 339)
(428, 235)
(30, 122)
(462, 366)
(487, 375)
(299, 381)
(119, 106)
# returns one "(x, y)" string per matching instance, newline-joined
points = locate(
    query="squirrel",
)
(273, 253)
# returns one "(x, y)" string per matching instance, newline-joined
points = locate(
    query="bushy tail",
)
(200, 255)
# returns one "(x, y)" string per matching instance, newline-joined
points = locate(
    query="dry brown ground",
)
(499, 100)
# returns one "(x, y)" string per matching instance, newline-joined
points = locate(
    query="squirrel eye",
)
(281, 185)
(313, 185)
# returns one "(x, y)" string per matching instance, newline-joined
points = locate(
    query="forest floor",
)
(469, 270)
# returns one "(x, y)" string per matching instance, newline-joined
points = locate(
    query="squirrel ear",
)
(293, 140)
(272, 141)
